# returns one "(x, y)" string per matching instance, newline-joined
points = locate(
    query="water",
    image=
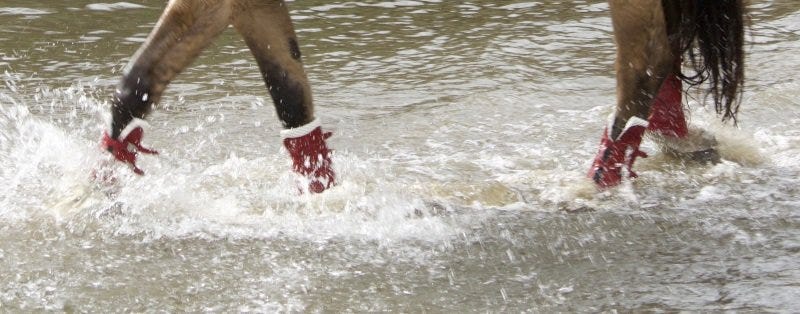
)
(463, 132)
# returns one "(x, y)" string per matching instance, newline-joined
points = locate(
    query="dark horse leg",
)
(268, 31)
(644, 60)
(269, 34)
(184, 29)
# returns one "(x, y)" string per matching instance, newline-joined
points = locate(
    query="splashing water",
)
(462, 139)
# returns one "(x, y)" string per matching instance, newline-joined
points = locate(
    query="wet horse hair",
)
(711, 37)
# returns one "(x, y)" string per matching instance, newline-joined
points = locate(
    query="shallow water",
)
(463, 131)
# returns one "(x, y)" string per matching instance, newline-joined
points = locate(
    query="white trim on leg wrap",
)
(300, 131)
(135, 123)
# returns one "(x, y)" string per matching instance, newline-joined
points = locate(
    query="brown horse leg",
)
(644, 59)
(184, 29)
(667, 123)
(268, 31)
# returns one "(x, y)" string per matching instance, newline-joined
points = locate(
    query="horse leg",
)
(666, 113)
(268, 31)
(644, 59)
(184, 29)
(667, 123)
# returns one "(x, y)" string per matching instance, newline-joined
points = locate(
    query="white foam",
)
(236, 197)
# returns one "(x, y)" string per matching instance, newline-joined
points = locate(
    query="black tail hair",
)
(711, 37)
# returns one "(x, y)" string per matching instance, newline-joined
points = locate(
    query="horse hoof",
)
(710, 155)
(698, 145)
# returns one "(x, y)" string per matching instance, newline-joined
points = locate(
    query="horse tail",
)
(711, 37)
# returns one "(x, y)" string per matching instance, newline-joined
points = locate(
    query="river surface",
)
(463, 133)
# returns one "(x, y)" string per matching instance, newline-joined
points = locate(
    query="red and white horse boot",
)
(311, 157)
(668, 126)
(614, 154)
(128, 145)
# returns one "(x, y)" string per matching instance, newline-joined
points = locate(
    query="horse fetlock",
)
(289, 94)
(133, 98)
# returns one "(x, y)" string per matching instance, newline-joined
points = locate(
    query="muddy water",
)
(463, 133)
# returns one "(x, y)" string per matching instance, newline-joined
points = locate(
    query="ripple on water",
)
(117, 6)
(23, 11)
